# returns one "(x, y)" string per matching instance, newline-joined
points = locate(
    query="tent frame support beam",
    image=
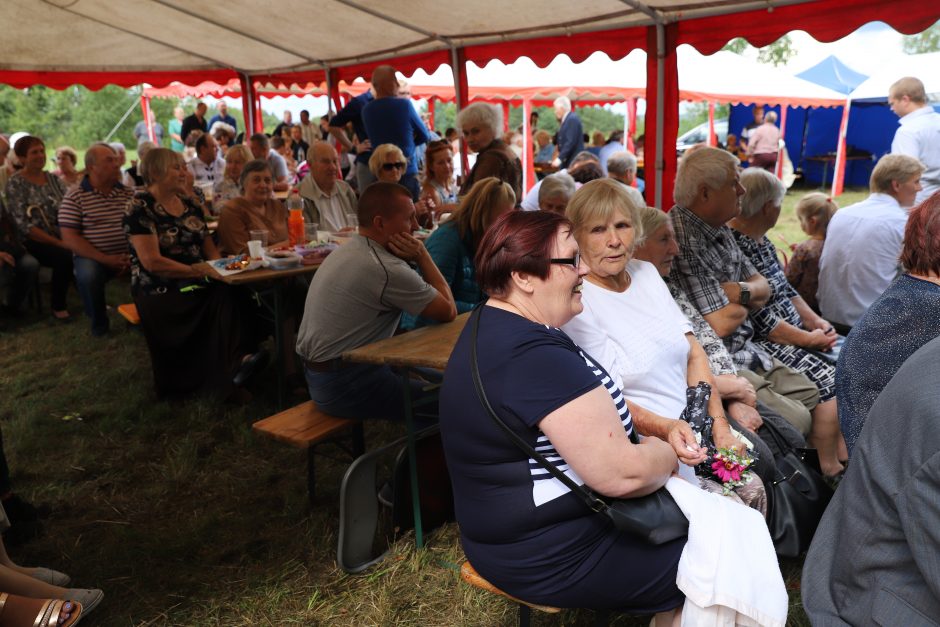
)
(240, 33)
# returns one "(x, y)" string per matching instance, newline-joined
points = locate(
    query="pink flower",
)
(723, 469)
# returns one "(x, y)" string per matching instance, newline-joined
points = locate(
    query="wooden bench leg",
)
(311, 473)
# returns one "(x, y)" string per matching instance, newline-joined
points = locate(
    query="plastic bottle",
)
(295, 218)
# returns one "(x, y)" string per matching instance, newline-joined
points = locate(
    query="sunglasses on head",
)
(574, 262)
(388, 167)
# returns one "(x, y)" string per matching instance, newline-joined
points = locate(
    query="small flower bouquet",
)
(729, 468)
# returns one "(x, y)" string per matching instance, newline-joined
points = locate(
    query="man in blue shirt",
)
(352, 112)
(392, 120)
(223, 116)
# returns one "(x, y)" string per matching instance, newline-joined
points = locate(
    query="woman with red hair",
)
(904, 318)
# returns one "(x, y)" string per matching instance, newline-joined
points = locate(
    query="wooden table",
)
(427, 347)
(266, 282)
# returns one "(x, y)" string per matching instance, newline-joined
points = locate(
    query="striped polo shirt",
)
(96, 216)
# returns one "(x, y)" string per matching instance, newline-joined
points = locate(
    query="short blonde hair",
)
(770, 116)
(890, 168)
(816, 205)
(380, 154)
(911, 87)
(156, 163)
(239, 150)
(476, 210)
(705, 165)
(600, 199)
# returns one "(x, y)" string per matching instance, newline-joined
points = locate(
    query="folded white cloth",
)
(728, 570)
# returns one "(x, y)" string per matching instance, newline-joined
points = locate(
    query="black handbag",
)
(654, 518)
(796, 498)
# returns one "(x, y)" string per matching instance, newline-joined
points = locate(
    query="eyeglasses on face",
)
(388, 167)
(574, 262)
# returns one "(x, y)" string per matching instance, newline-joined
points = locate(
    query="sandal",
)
(88, 598)
(62, 316)
(17, 610)
(51, 577)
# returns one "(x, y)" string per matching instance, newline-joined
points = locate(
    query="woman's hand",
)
(746, 416)
(819, 340)
(682, 440)
(725, 439)
(735, 388)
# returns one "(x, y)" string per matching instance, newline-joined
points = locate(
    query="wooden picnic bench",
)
(304, 426)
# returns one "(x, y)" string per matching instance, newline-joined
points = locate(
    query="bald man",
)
(392, 120)
(327, 199)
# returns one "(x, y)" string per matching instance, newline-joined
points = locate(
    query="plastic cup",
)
(310, 231)
(255, 249)
(260, 235)
(352, 220)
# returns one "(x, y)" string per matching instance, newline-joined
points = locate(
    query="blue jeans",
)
(363, 392)
(19, 279)
(90, 279)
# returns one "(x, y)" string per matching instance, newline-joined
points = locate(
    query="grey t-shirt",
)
(278, 165)
(357, 297)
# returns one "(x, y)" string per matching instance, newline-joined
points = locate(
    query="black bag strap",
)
(586, 495)
(782, 444)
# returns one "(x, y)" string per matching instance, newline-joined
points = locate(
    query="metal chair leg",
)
(525, 615)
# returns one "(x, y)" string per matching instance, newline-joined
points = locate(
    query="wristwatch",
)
(745, 296)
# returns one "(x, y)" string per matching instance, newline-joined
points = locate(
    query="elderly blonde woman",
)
(388, 164)
(785, 327)
(481, 125)
(632, 326)
(453, 246)
(195, 330)
(229, 186)
(555, 192)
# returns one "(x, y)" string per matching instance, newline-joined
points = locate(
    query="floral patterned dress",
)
(196, 337)
(180, 238)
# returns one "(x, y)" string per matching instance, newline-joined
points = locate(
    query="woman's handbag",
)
(654, 518)
(796, 498)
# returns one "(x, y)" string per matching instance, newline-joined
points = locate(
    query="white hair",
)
(562, 102)
(707, 166)
(556, 185)
(481, 114)
(620, 163)
(760, 187)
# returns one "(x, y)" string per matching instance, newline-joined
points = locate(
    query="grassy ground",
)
(184, 517)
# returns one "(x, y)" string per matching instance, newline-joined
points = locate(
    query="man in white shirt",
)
(919, 134)
(310, 131)
(863, 242)
(327, 200)
(208, 167)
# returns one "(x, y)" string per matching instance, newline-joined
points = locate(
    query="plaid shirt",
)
(779, 308)
(708, 257)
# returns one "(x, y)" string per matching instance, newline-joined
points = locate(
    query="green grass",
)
(184, 517)
(788, 226)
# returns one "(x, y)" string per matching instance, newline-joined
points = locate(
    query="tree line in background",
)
(78, 116)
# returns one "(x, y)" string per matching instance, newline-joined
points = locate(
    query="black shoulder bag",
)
(655, 518)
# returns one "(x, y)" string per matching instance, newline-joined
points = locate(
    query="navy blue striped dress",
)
(521, 528)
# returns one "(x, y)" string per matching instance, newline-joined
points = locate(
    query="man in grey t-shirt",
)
(358, 296)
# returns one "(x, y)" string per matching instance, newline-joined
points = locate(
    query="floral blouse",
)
(780, 307)
(35, 205)
(180, 239)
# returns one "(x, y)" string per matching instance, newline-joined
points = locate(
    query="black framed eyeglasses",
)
(574, 262)
(388, 167)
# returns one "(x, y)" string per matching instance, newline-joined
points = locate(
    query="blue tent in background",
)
(812, 134)
(834, 74)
